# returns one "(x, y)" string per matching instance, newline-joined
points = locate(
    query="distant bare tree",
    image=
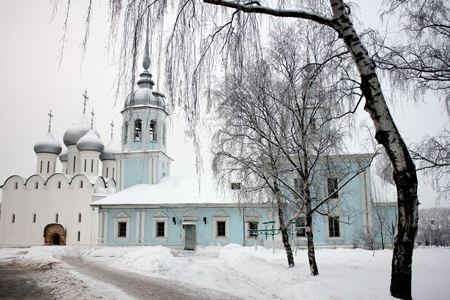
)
(433, 155)
(282, 128)
(434, 226)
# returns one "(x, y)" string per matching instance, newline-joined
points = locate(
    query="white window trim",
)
(221, 216)
(301, 238)
(341, 227)
(121, 217)
(160, 217)
(339, 193)
(252, 216)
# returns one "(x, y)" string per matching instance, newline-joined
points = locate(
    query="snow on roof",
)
(171, 190)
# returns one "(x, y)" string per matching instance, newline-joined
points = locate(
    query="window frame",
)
(221, 216)
(160, 217)
(302, 234)
(121, 218)
(250, 217)
(339, 216)
(137, 136)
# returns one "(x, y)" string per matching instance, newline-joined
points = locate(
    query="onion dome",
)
(144, 95)
(108, 152)
(63, 155)
(47, 144)
(76, 131)
(90, 142)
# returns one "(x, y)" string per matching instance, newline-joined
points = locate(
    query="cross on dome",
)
(86, 98)
(50, 116)
(112, 128)
(92, 119)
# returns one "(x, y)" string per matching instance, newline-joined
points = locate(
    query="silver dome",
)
(47, 144)
(144, 95)
(63, 155)
(76, 131)
(90, 141)
(107, 153)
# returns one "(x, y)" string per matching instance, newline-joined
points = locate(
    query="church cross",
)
(112, 127)
(92, 119)
(86, 98)
(50, 116)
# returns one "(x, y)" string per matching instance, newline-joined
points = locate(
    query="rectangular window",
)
(299, 186)
(79, 235)
(85, 162)
(333, 227)
(34, 218)
(40, 169)
(56, 218)
(106, 175)
(16, 185)
(251, 226)
(235, 185)
(300, 224)
(112, 175)
(14, 218)
(92, 165)
(36, 185)
(48, 167)
(122, 232)
(160, 229)
(59, 184)
(221, 228)
(81, 184)
(74, 163)
(332, 184)
(79, 218)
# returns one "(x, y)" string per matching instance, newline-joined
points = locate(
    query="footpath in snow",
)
(244, 272)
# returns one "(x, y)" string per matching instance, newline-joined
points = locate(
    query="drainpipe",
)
(243, 227)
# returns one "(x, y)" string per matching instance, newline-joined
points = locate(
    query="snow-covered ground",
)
(240, 271)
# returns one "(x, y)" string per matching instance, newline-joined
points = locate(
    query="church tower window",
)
(74, 162)
(56, 218)
(40, 170)
(81, 184)
(106, 173)
(59, 184)
(85, 162)
(48, 167)
(14, 218)
(137, 129)
(36, 185)
(153, 133)
(125, 133)
(34, 218)
(112, 175)
(92, 165)
(16, 185)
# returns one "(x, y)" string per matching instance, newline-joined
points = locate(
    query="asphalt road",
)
(142, 287)
(22, 283)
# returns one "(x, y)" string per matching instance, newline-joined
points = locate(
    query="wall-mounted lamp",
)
(204, 219)
(174, 221)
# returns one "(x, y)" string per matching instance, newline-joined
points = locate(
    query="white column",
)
(138, 232)
(142, 227)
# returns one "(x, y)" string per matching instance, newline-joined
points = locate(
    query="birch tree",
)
(232, 29)
(281, 126)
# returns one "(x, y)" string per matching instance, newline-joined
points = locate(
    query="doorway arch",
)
(55, 234)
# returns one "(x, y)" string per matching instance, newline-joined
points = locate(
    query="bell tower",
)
(143, 157)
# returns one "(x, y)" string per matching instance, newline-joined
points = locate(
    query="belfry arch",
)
(55, 234)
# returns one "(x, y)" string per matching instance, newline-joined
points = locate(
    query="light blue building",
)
(152, 208)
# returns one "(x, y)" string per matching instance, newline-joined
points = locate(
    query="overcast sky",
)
(32, 83)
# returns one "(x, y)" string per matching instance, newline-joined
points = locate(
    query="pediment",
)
(253, 214)
(190, 216)
(160, 214)
(221, 213)
(122, 215)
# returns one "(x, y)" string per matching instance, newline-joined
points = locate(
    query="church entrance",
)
(55, 234)
(190, 238)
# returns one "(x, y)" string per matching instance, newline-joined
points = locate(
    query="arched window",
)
(59, 184)
(16, 185)
(36, 185)
(125, 133)
(153, 131)
(81, 184)
(92, 165)
(74, 163)
(40, 170)
(106, 173)
(48, 167)
(85, 162)
(137, 129)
